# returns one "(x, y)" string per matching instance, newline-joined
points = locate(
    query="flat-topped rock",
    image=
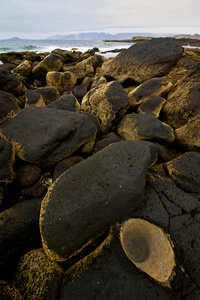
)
(45, 135)
(151, 88)
(92, 195)
(144, 61)
(144, 127)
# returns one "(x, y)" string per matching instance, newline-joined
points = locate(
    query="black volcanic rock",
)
(144, 61)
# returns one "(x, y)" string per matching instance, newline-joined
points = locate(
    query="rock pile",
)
(87, 144)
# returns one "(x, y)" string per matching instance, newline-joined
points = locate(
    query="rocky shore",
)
(100, 174)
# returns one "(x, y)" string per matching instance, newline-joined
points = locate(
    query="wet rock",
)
(64, 55)
(106, 140)
(183, 101)
(65, 164)
(49, 63)
(10, 83)
(7, 160)
(144, 61)
(45, 136)
(155, 87)
(66, 102)
(9, 106)
(24, 69)
(108, 103)
(61, 81)
(37, 277)
(188, 136)
(108, 274)
(34, 98)
(48, 94)
(152, 106)
(144, 127)
(19, 231)
(9, 292)
(116, 177)
(28, 175)
(185, 171)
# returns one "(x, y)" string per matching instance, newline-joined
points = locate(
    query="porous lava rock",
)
(152, 106)
(45, 136)
(19, 231)
(66, 102)
(185, 171)
(144, 61)
(24, 69)
(10, 83)
(37, 277)
(61, 81)
(183, 103)
(9, 106)
(7, 160)
(49, 63)
(151, 88)
(116, 177)
(144, 127)
(108, 103)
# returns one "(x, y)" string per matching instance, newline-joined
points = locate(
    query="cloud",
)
(48, 17)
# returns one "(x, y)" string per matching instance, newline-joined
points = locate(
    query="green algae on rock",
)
(149, 248)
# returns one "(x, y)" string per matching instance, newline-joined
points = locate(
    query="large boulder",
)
(185, 171)
(37, 277)
(45, 136)
(10, 83)
(108, 274)
(183, 101)
(108, 103)
(9, 106)
(151, 88)
(61, 81)
(7, 160)
(66, 102)
(34, 98)
(49, 63)
(144, 61)
(152, 106)
(49, 94)
(188, 136)
(144, 127)
(19, 231)
(24, 69)
(94, 194)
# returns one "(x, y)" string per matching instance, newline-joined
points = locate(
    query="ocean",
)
(40, 46)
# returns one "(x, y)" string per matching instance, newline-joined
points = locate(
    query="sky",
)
(39, 19)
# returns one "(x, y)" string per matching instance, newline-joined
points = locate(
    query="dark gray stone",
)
(108, 103)
(37, 277)
(92, 195)
(65, 164)
(144, 127)
(49, 94)
(144, 61)
(8, 105)
(65, 102)
(151, 88)
(106, 140)
(19, 230)
(188, 136)
(45, 136)
(7, 160)
(183, 101)
(185, 171)
(109, 274)
(152, 106)
(10, 83)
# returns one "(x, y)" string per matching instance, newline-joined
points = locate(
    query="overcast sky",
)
(42, 18)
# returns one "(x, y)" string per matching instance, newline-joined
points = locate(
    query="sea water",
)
(40, 46)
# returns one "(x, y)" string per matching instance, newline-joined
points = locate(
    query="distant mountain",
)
(89, 36)
(187, 36)
(15, 38)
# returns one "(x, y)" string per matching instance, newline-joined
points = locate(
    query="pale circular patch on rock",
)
(149, 248)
